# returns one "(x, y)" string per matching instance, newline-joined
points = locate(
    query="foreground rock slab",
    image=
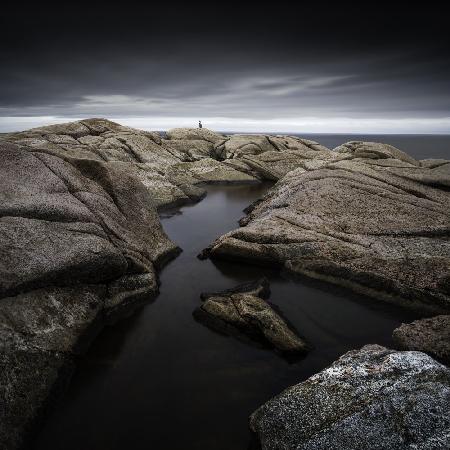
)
(372, 398)
(430, 335)
(80, 244)
(370, 218)
(243, 310)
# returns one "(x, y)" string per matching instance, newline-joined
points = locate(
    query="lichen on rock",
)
(369, 398)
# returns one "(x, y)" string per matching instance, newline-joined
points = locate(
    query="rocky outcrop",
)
(259, 156)
(369, 217)
(369, 398)
(430, 335)
(243, 312)
(172, 166)
(81, 241)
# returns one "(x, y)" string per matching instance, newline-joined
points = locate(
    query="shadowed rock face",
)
(243, 311)
(370, 218)
(431, 335)
(79, 242)
(369, 398)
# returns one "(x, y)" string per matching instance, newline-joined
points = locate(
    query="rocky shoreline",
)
(82, 244)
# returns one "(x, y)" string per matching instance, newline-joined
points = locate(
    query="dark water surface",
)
(159, 380)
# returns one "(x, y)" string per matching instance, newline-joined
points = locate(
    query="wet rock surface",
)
(369, 398)
(243, 312)
(430, 335)
(367, 217)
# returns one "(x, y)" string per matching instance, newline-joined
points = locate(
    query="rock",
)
(372, 398)
(81, 240)
(196, 134)
(369, 218)
(374, 150)
(208, 171)
(80, 243)
(430, 335)
(243, 310)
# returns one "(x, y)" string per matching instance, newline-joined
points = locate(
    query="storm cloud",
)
(332, 67)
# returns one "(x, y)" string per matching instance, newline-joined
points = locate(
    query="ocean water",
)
(160, 380)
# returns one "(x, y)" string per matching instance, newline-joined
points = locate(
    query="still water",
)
(159, 380)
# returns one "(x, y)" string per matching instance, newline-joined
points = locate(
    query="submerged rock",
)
(372, 398)
(243, 310)
(370, 218)
(430, 335)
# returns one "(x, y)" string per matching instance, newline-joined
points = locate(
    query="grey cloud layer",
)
(258, 63)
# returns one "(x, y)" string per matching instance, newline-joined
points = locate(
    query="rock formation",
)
(367, 217)
(243, 310)
(430, 335)
(369, 398)
(81, 240)
(81, 243)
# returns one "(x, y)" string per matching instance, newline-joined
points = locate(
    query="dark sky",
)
(326, 67)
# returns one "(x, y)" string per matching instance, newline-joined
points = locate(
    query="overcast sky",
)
(264, 67)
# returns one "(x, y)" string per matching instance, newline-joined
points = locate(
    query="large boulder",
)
(80, 243)
(369, 218)
(372, 398)
(243, 312)
(430, 335)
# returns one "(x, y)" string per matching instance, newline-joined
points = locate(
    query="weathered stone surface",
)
(209, 171)
(372, 398)
(243, 310)
(430, 335)
(40, 332)
(171, 167)
(81, 239)
(368, 218)
(79, 242)
(195, 134)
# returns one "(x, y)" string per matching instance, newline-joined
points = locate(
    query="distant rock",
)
(174, 166)
(195, 134)
(431, 335)
(372, 398)
(243, 311)
(366, 216)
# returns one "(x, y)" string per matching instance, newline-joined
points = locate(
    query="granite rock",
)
(243, 312)
(430, 335)
(372, 398)
(369, 218)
